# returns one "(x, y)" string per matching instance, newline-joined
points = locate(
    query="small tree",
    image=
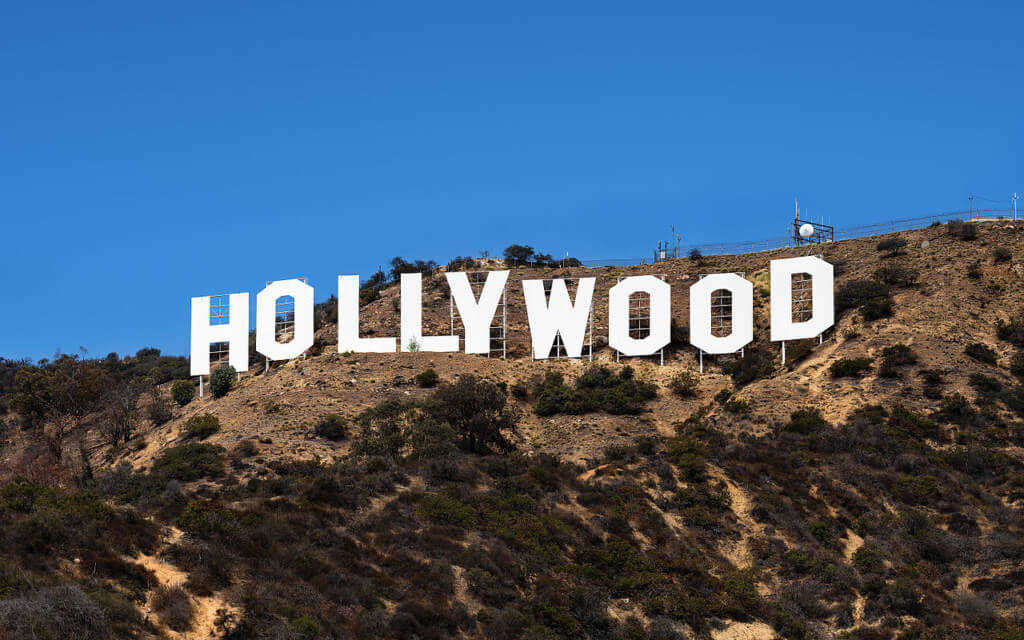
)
(221, 380)
(892, 246)
(120, 413)
(518, 253)
(183, 391)
(157, 409)
(477, 411)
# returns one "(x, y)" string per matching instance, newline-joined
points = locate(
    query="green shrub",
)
(736, 406)
(597, 389)
(754, 365)
(974, 271)
(912, 424)
(183, 391)
(1011, 331)
(477, 411)
(332, 427)
(1001, 254)
(867, 559)
(896, 275)
(962, 230)
(202, 426)
(1017, 365)
(894, 357)
(892, 246)
(244, 449)
(190, 461)
(856, 293)
(427, 378)
(221, 380)
(806, 420)
(981, 352)
(821, 532)
(876, 309)
(984, 383)
(684, 384)
(955, 405)
(849, 367)
(689, 455)
(448, 510)
(306, 627)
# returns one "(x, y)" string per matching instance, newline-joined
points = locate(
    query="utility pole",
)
(1014, 205)
(970, 216)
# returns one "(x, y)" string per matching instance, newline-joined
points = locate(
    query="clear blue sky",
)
(150, 152)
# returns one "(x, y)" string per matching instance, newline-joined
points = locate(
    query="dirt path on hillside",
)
(167, 575)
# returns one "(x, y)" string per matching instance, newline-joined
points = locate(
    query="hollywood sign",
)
(549, 315)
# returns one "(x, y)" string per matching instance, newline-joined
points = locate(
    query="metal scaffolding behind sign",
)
(220, 313)
(721, 314)
(499, 322)
(558, 347)
(284, 321)
(640, 316)
(803, 302)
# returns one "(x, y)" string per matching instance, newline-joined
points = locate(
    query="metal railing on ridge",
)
(782, 242)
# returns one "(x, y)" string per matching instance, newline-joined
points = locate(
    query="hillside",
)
(766, 501)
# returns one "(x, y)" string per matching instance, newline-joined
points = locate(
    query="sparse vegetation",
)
(174, 607)
(434, 504)
(870, 296)
(962, 230)
(684, 384)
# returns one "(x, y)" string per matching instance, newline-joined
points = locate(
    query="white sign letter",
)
(822, 307)
(266, 319)
(559, 316)
(235, 333)
(742, 313)
(348, 322)
(660, 294)
(477, 315)
(412, 319)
